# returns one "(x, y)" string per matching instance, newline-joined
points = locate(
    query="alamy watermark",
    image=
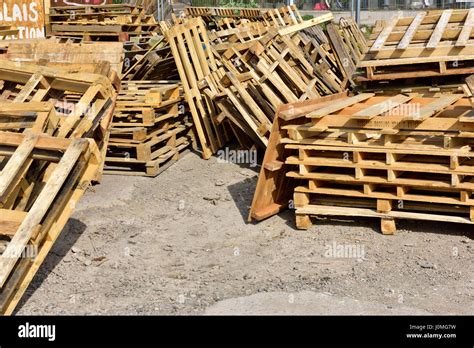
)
(237, 156)
(406, 109)
(344, 251)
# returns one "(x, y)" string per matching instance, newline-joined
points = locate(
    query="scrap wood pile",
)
(115, 22)
(145, 136)
(73, 107)
(385, 154)
(150, 60)
(406, 156)
(53, 139)
(236, 77)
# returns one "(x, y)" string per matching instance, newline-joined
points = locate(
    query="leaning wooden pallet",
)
(349, 45)
(429, 44)
(391, 157)
(263, 73)
(192, 53)
(150, 129)
(41, 181)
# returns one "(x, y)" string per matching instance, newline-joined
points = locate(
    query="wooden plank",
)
(439, 30)
(407, 37)
(383, 36)
(465, 34)
(306, 24)
(438, 105)
(382, 107)
(9, 173)
(339, 105)
(349, 211)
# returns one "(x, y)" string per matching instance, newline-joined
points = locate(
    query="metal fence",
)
(340, 5)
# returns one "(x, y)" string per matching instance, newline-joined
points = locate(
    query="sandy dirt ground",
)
(180, 244)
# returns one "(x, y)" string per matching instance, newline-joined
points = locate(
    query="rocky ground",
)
(180, 244)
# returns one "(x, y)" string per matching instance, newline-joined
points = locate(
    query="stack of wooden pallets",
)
(391, 157)
(115, 22)
(150, 129)
(434, 43)
(210, 14)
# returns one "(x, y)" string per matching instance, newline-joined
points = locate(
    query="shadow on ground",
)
(242, 194)
(66, 240)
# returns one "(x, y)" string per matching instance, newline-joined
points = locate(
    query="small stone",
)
(426, 264)
(87, 262)
(211, 198)
(76, 250)
(219, 183)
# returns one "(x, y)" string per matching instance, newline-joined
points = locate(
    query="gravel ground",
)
(180, 244)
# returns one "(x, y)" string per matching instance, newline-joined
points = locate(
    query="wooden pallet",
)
(41, 181)
(150, 129)
(349, 43)
(104, 58)
(168, 155)
(149, 60)
(386, 151)
(192, 52)
(429, 44)
(210, 13)
(116, 22)
(67, 105)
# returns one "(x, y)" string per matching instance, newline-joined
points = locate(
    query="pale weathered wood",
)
(407, 37)
(465, 34)
(440, 27)
(42, 203)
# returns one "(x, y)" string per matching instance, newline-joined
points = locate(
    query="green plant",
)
(307, 17)
(239, 4)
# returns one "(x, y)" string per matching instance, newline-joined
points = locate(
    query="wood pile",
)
(72, 104)
(115, 22)
(53, 138)
(434, 43)
(235, 78)
(42, 179)
(150, 129)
